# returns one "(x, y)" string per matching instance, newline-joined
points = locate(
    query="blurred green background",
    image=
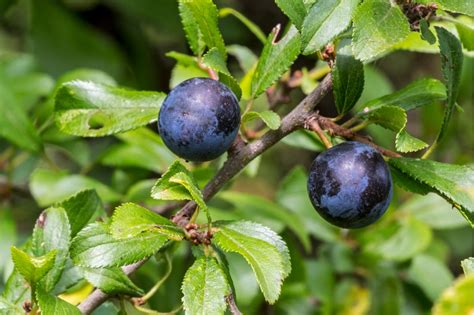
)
(398, 266)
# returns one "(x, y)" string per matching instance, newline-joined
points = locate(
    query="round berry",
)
(350, 185)
(199, 119)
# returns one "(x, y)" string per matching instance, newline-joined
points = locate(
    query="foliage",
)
(80, 155)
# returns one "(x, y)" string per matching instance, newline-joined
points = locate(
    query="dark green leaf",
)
(294, 9)
(206, 18)
(325, 20)
(232, 83)
(270, 118)
(111, 281)
(348, 80)
(131, 220)
(378, 26)
(430, 274)
(95, 247)
(49, 187)
(191, 28)
(263, 249)
(275, 59)
(33, 269)
(88, 109)
(80, 208)
(52, 232)
(205, 288)
(50, 304)
(426, 33)
(457, 6)
(451, 65)
(455, 183)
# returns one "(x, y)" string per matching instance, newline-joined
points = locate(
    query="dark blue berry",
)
(199, 119)
(350, 185)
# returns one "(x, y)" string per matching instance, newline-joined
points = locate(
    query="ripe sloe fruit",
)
(199, 119)
(350, 185)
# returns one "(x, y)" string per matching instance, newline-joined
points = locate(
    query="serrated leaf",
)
(215, 60)
(80, 208)
(422, 271)
(390, 117)
(49, 186)
(267, 212)
(456, 299)
(111, 280)
(205, 288)
(16, 289)
(242, 18)
(451, 65)
(294, 9)
(8, 308)
(177, 184)
(378, 26)
(426, 33)
(275, 59)
(455, 183)
(33, 269)
(206, 18)
(416, 94)
(231, 83)
(348, 80)
(131, 220)
(405, 143)
(52, 232)
(262, 248)
(457, 6)
(191, 28)
(325, 20)
(88, 109)
(468, 266)
(270, 118)
(95, 247)
(411, 238)
(50, 304)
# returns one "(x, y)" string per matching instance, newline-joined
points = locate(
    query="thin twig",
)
(234, 309)
(322, 136)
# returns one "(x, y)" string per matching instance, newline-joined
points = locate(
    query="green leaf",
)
(178, 184)
(244, 56)
(293, 195)
(16, 289)
(48, 186)
(191, 28)
(206, 18)
(325, 20)
(80, 208)
(205, 288)
(304, 139)
(275, 59)
(249, 24)
(465, 28)
(131, 220)
(8, 235)
(378, 26)
(50, 304)
(348, 80)
(294, 9)
(52, 232)
(455, 183)
(457, 299)
(263, 249)
(270, 118)
(457, 6)
(416, 94)
(95, 247)
(8, 308)
(426, 33)
(33, 269)
(111, 281)
(269, 213)
(216, 61)
(404, 142)
(88, 109)
(451, 65)
(408, 240)
(434, 211)
(468, 266)
(390, 117)
(232, 83)
(430, 274)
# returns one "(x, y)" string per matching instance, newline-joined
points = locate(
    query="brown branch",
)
(239, 155)
(316, 121)
(234, 309)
